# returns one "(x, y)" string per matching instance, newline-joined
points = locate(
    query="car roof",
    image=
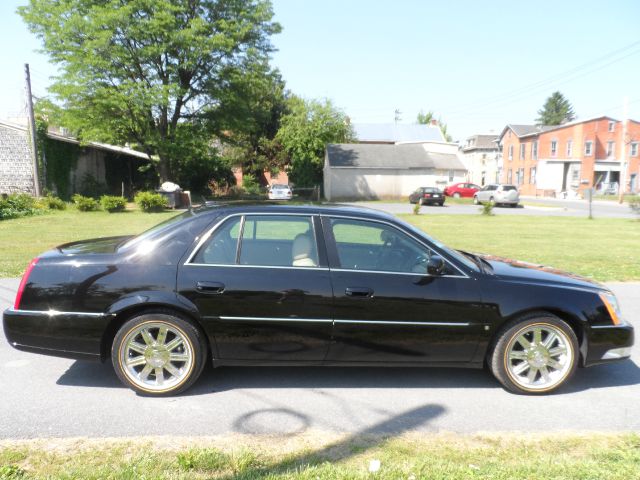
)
(220, 208)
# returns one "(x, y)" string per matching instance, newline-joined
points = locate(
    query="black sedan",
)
(427, 196)
(262, 284)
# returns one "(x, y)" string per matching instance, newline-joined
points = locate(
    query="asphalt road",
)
(52, 397)
(528, 206)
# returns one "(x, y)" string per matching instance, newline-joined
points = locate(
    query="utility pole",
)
(623, 153)
(32, 128)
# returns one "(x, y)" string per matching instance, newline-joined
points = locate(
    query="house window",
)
(554, 147)
(509, 176)
(569, 148)
(612, 126)
(451, 175)
(534, 150)
(610, 148)
(634, 149)
(520, 176)
(575, 175)
(532, 175)
(588, 147)
(522, 150)
(510, 152)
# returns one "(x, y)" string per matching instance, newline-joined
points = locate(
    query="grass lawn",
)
(21, 239)
(441, 456)
(603, 249)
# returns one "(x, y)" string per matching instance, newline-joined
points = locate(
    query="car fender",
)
(128, 305)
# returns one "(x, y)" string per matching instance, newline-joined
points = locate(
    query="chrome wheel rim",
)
(539, 357)
(156, 356)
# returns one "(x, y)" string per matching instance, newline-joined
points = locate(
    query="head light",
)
(613, 307)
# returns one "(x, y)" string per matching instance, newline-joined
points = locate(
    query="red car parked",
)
(458, 190)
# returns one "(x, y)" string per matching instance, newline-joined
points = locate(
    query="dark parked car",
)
(427, 196)
(264, 284)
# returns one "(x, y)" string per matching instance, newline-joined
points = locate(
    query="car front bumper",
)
(609, 344)
(62, 334)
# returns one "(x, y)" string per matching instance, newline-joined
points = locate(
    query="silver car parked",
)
(498, 194)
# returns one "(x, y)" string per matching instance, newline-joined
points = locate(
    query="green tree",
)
(556, 110)
(145, 71)
(249, 117)
(426, 119)
(304, 133)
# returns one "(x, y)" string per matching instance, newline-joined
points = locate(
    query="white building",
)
(370, 171)
(481, 156)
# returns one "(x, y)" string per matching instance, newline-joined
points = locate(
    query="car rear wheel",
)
(158, 354)
(456, 195)
(535, 354)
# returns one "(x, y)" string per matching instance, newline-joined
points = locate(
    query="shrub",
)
(150, 201)
(17, 205)
(52, 203)
(85, 204)
(416, 208)
(251, 185)
(487, 208)
(113, 204)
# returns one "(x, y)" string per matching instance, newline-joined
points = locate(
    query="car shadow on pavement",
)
(620, 374)
(92, 374)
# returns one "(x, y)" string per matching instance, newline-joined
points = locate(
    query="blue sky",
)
(479, 65)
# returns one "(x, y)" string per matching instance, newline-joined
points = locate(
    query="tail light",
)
(23, 283)
(427, 195)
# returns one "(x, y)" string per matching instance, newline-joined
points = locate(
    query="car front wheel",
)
(158, 354)
(535, 354)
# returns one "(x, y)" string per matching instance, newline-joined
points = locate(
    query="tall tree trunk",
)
(164, 169)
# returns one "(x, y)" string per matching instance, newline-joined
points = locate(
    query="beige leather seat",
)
(302, 252)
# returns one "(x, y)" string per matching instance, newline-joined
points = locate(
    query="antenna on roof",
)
(397, 118)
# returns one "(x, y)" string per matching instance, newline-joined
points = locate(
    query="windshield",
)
(453, 253)
(161, 227)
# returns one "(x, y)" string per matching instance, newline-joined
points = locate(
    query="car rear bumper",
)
(609, 344)
(63, 334)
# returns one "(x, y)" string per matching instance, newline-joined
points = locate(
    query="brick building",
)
(547, 160)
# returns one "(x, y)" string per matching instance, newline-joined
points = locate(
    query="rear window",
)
(506, 188)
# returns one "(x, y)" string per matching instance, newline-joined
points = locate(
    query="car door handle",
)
(213, 288)
(358, 292)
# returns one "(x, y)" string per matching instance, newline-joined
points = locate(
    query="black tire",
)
(507, 361)
(188, 357)
(441, 204)
(456, 195)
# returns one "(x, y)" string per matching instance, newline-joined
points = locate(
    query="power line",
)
(588, 66)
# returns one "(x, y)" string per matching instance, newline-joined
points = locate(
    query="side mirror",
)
(435, 265)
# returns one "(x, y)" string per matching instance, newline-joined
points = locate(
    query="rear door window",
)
(278, 240)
